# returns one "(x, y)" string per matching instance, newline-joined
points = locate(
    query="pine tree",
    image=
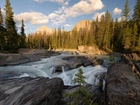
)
(81, 94)
(1, 18)
(126, 11)
(12, 36)
(136, 15)
(101, 31)
(79, 77)
(23, 36)
(134, 35)
(2, 32)
(107, 35)
(126, 41)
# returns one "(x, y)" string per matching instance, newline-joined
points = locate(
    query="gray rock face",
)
(77, 61)
(123, 86)
(29, 91)
(15, 59)
(92, 90)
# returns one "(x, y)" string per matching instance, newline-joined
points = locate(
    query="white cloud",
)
(59, 20)
(84, 7)
(31, 17)
(57, 1)
(117, 11)
(122, 18)
(66, 3)
(97, 14)
(67, 25)
(53, 15)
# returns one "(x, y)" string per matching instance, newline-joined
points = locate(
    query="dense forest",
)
(107, 33)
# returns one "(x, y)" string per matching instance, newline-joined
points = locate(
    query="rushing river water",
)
(45, 68)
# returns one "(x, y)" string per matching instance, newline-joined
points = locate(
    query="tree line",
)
(10, 39)
(105, 32)
(108, 34)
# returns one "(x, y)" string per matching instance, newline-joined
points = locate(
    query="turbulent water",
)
(45, 68)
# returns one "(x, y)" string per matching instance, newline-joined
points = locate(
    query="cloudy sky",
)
(64, 13)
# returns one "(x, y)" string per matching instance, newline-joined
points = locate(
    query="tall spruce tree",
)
(1, 18)
(126, 11)
(107, 35)
(12, 36)
(134, 35)
(136, 15)
(1, 31)
(23, 36)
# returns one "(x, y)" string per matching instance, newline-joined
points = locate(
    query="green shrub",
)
(81, 94)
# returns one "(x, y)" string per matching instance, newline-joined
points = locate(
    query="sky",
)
(62, 13)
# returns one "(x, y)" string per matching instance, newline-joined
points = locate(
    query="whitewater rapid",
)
(45, 68)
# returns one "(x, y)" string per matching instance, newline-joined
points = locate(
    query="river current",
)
(45, 68)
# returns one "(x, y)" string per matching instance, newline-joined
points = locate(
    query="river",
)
(45, 68)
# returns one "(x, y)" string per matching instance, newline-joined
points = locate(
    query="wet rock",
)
(77, 61)
(15, 59)
(92, 90)
(123, 86)
(98, 62)
(31, 91)
(60, 68)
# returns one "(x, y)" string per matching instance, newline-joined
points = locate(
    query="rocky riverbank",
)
(122, 83)
(24, 56)
(31, 91)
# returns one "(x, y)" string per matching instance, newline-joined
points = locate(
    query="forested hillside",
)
(107, 33)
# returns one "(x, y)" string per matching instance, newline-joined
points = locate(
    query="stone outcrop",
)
(133, 60)
(84, 24)
(91, 50)
(15, 59)
(77, 61)
(44, 30)
(31, 91)
(92, 90)
(123, 86)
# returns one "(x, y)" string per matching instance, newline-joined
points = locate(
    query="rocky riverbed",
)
(122, 83)
(24, 56)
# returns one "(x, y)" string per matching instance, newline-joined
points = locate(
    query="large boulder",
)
(123, 86)
(77, 61)
(92, 90)
(31, 91)
(90, 49)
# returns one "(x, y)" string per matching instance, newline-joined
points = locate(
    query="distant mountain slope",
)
(83, 24)
(44, 29)
(80, 25)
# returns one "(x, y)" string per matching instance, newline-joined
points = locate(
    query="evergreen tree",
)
(2, 32)
(79, 77)
(12, 36)
(126, 11)
(101, 31)
(136, 15)
(23, 36)
(126, 41)
(1, 18)
(134, 35)
(83, 96)
(107, 35)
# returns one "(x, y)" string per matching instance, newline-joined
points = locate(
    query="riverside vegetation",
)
(107, 33)
(81, 95)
